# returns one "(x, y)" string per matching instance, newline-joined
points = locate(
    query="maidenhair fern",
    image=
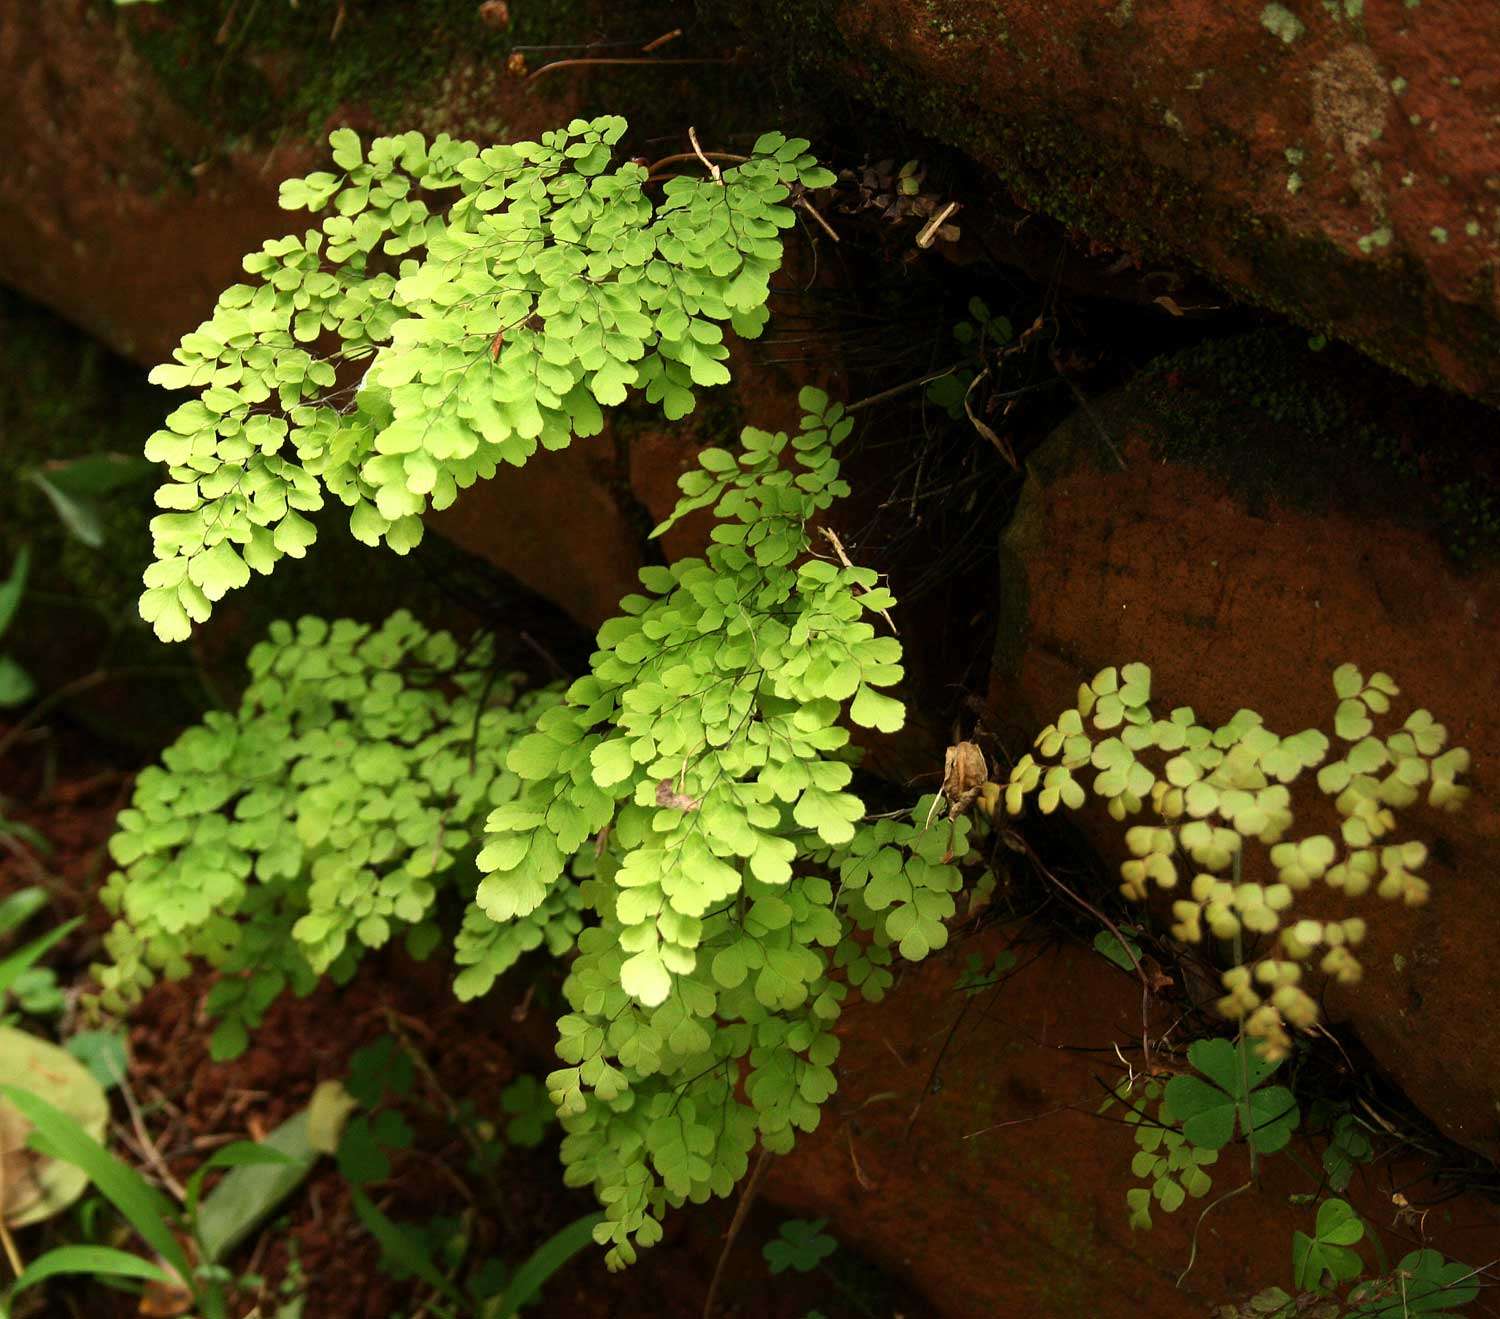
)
(454, 310)
(740, 888)
(1212, 790)
(320, 819)
(690, 798)
(1169, 1166)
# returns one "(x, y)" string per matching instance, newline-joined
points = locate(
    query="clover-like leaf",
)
(1327, 1254)
(1135, 685)
(1347, 1146)
(1228, 1097)
(1428, 735)
(800, 1244)
(1423, 1283)
(1351, 720)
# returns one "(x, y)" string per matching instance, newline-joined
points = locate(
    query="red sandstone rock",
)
(1006, 1195)
(1337, 161)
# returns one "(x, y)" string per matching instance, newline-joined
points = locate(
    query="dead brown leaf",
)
(19, 1189)
(165, 1300)
(964, 776)
(1158, 980)
(667, 795)
(495, 14)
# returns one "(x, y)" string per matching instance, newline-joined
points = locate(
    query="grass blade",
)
(27, 835)
(13, 587)
(541, 1264)
(242, 1154)
(142, 1206)
(79, 516)
(20, 907)
(403, 1249)
(97, 474)
(97, 1261)
(25, 958)
(253, 1188)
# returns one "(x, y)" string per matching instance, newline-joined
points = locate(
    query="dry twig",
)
(148, 1147)
(859, 1172)
(580, 62)
(12, 1255)
(678, 157)
(1001, 447)
(741, 1213)
(838, 548)
(1114, 929)
(813, 211)
(661, 41)
(714, 171)
(929, 230)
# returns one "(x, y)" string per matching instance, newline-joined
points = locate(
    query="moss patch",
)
(1281, 419)
(259, 67)
(263, 72)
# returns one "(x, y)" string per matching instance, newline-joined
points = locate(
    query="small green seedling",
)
(800, 1244)
(1327, 1255)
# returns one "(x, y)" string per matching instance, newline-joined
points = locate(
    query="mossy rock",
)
(1292, 419)
(260, 69)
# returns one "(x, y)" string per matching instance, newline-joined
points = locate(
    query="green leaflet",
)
(16, 685)
(799, 1244)
(1347, 1146)
(396, 354)
(976, 334)
(1423, 1284)
(1328, 1253)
